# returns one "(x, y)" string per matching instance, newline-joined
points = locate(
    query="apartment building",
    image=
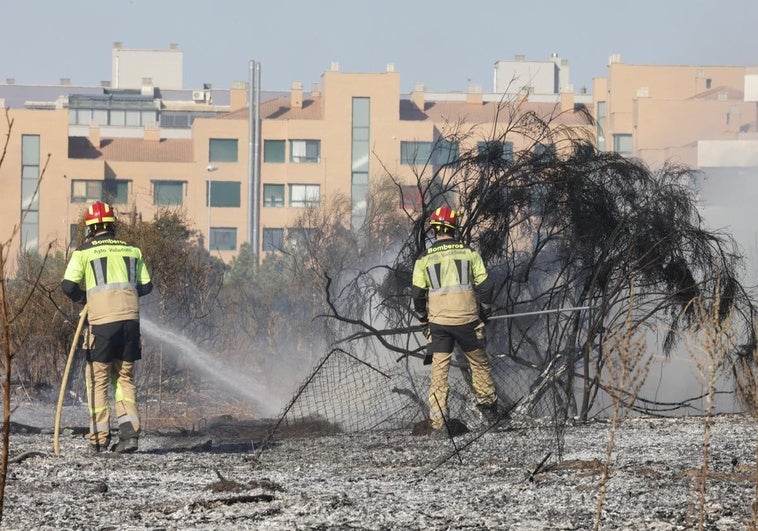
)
(667, 113)
(143, 148)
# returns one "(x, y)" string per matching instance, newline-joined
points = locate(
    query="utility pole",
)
(254, 163)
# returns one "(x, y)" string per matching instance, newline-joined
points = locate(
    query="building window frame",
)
(415, 152)
(224, 194)
(601, 112)
(273, 195)
(623, 144)
(273, 239)
(494, 152)
(223, 150)
(274, 151)
(168, 192)
(223, 238)
(446, 152)
(305, 151)
(30, 175)
(115, 192)
(299, 238)
(304, 195)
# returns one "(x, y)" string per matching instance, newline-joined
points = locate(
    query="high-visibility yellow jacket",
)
(447, 279)
(114, 276)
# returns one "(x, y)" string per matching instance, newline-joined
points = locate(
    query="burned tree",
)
(558, 224)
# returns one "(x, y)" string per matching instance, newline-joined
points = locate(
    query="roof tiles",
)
(131, 149)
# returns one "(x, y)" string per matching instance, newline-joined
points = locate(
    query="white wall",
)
(129, 67)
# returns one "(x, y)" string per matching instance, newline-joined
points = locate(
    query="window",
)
(168, 193)
(411, 198)
(83, 116)
(113, 107)
(224, 238)
(600, 121)
(30, 231)
(222, 150)
(305, 195)
(132, 118)
(111, 191)
(622, 144)
(273, 195)
(149, 118)
(544, 153)
(84, 191)
(415, 153)
(116, 192)
(298, 238)
(273, 239)
(118, 117)
(494, 153)
(273, 151)
(359, 201)
(361, 129)
(445, 152)
(139, 118)
(100, 116)
(224, 194)
(30, 150)
(181, 119)
(305, 151)
(175, 120)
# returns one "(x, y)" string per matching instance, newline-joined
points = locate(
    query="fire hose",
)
(62, 393)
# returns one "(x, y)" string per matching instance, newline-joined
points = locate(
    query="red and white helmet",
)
(99, 212)
(444, 217)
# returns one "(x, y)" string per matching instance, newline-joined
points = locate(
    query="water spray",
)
(203, 362)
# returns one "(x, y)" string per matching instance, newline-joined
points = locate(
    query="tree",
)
(8, 314)
(560, 224)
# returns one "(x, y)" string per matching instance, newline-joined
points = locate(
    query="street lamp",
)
(210, 169)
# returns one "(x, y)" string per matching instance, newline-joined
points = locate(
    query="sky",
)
(445, 44)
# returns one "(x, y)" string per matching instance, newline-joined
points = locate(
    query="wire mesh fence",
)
(344, 394)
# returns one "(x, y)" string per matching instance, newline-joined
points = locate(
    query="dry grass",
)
(709, 347)
(627, 367)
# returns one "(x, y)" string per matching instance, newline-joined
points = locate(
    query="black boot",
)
(490, 411)
(126, 446)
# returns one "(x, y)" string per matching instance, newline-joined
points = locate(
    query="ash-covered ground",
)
(215, 477)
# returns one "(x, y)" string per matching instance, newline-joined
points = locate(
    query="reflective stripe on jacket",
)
(446, 281)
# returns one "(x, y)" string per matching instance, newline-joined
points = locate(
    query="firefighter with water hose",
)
(452, 297)
(114, 277)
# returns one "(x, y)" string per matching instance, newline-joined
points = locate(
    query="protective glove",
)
(484, 313)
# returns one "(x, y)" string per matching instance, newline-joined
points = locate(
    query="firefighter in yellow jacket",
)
(114, 277)
(451, 295)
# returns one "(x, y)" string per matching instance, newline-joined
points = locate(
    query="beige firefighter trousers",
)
(481, 380)
(99, 377)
